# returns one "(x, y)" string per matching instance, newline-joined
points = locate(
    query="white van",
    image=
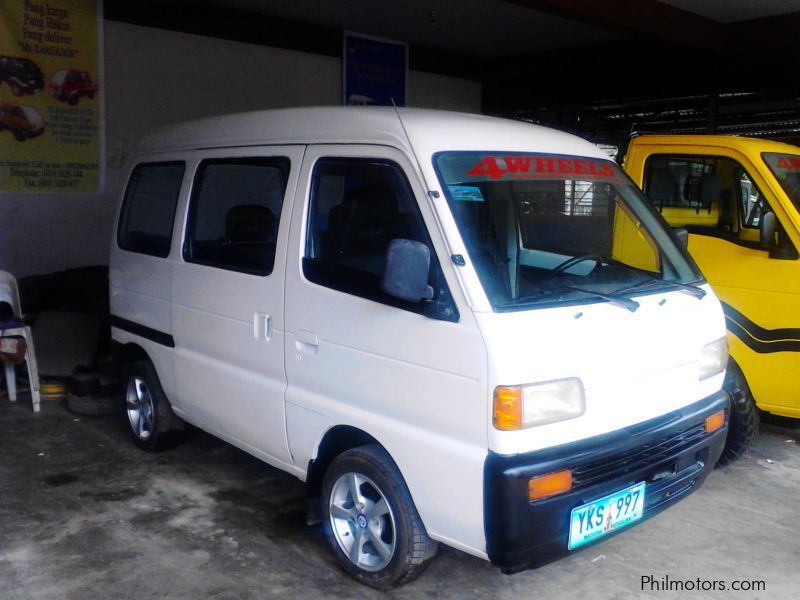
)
(454, 328)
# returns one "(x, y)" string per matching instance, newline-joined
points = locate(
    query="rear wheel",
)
(370, 520)
(743, 418)
(154, 426)
(19, 136)
(72, 100)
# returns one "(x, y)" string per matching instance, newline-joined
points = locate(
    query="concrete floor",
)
(84, 514)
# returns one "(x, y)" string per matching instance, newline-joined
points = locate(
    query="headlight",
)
(713, 358)
(521, 406)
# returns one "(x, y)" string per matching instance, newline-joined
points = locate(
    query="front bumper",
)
(672, 454)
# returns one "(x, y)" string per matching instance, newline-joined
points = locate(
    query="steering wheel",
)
(571, 262)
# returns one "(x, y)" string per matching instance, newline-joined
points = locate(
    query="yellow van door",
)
(721, 198)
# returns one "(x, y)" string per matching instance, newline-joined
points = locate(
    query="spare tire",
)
(104, 403)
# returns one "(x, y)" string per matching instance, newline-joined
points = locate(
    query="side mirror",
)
(767, 228)
(405, 275)
(683, 236)
(774, 237)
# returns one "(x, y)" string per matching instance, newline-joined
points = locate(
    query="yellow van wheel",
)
(743, 419)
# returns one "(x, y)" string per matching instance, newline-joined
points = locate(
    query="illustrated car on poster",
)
(68, 85)
(23, 121)
(23, 75)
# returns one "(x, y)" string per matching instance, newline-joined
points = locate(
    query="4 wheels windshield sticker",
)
(528, 166)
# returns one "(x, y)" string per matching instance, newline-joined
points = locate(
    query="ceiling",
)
(492, 28)
(731, 11)
(484, 28)
(600, 68)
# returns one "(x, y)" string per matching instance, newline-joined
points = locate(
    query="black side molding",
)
(758, 339)
(154, 335)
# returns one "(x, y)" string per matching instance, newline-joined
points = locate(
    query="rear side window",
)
(235, 212)
(358, 206)
(148, 210)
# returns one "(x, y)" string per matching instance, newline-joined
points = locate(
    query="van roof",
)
(744, 144)
(429, 131)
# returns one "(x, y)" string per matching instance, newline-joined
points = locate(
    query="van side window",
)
(148, 209)
(234, 214)
(358, 206)
(709, 191)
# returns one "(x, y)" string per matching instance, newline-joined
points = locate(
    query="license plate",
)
(601, 517)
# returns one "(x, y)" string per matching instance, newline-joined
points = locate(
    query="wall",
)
(155, 77)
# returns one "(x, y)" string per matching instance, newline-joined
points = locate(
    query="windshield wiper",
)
(694, 290)
(631, 305)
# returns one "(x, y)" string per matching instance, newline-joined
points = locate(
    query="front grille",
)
(646, 455)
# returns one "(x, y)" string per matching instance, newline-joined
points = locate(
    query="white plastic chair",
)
(9, 293)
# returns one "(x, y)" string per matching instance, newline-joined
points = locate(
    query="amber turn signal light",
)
(715, 421)
(548, 485)
(507, 413)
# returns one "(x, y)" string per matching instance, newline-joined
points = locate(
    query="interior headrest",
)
(375, 198)
(366, 211)
(661, 188)
(249, 223)
(710, 187)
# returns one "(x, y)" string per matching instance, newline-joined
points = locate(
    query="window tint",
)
(358, 206)
(148, 210)
(563, 215)
(235, 212)
(542, 229)
(716, 190)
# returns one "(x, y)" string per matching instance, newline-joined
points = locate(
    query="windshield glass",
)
(543, 229)
(30, 113)
(30, 68)
(786, 168)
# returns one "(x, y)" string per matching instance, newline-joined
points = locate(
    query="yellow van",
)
(739, 199)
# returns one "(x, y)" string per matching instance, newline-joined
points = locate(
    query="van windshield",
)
(786, 169)
(544, 229)
(30, 68)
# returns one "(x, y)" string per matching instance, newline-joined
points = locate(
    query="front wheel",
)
(153, 425)
(370, 520)
(743, 420)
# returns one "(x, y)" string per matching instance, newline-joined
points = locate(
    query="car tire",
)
(370, 519)
(72, 100)
(153, 424)
(95, 405)
(743, 419)
(19, 135)
(16, 90)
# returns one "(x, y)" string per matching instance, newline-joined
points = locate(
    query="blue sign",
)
(374, 71)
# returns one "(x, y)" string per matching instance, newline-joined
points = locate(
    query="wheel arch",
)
(129, 352)
(332, 443)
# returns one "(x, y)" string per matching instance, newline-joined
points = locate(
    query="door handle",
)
(306, 340)
(262, 327)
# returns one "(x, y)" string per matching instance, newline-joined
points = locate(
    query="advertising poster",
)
(50, 92)
(374, 71)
